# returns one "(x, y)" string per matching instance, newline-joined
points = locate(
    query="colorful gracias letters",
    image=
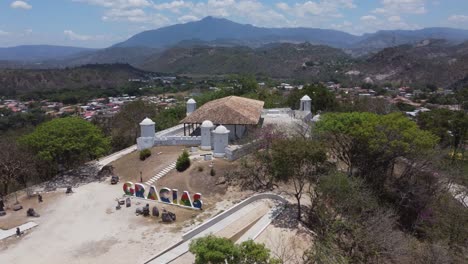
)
(164, 195)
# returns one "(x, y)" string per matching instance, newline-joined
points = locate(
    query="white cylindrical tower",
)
(221, 140)
(206, 128)
(306, 104)
(191, 106)
(146, 140)
(147, 127)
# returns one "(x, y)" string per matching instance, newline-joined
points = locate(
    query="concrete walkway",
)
(183, 248)
(115, 156)
(260, 225)
(12, 232)
(228, 224)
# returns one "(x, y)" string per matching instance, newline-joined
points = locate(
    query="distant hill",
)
(277, 60)
(33, 53)
(16, 81)
(219, 32)
(429, 62)
(213, 29)
(391, 38)
(130, 55)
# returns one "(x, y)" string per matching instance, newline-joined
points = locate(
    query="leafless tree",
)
(16, 165)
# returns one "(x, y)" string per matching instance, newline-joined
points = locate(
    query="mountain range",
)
(217, 32)
(214, 46)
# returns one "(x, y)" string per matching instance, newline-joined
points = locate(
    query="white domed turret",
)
(207, 123)
(221, 130)
(205, 130)
(191, 106)
(221, 140)
(147, 130)
(306, 103)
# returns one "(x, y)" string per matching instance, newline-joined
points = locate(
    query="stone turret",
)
(206, 128)
(191, 106)
(306, 104)
(147, 134)
(220, 141)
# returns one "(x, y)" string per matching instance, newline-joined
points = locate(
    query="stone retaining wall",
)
(234, 152)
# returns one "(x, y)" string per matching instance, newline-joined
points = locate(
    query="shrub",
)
(219, 250)
(212, 172)
(183, 162)
(144, 154)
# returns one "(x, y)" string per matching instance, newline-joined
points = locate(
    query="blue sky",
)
(100, 23)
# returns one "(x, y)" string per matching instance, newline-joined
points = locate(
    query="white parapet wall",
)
(172, 131)
(145, 143)
(176, 141)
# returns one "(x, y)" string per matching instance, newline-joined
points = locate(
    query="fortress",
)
(219, 124)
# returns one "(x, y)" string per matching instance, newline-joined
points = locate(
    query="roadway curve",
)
(222, 221)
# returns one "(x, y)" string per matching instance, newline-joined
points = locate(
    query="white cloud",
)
(309, 13)
(173, 6)
(187, 18)
(120, 4)
(322, 8)
(394, 19)
(368, 18)
(458, 18)
(282, 6)
(75, 36)
(135, 16)
(372, 23)
(397, 7)
(4, 33)
(20, 5)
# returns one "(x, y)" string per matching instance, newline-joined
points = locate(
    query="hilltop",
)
(96, 76)
(429, 62)
(276, 60)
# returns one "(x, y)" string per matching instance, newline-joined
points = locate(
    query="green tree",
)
(67, 141)
(125, 127)
(255, 253)
(214, 250)
(167, 118)
(371, 143)
(450, 126)
(299, 161)
(322, 98)
(218, 250)
(183, 161)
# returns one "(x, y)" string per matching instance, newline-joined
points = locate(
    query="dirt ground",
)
(13, 219)
(85, 227)
(128, 167)
(286, 244)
